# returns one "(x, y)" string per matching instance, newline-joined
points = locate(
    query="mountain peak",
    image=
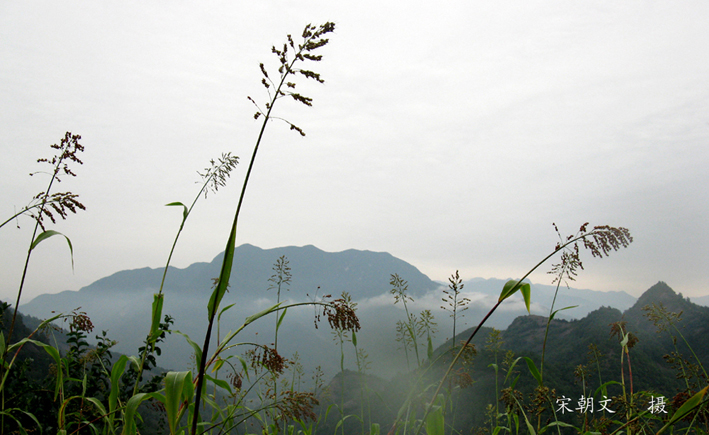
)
(659, 292)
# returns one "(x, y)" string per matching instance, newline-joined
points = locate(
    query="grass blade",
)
(50, 233)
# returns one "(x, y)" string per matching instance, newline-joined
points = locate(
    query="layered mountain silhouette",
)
(121, 303)
(568, 349)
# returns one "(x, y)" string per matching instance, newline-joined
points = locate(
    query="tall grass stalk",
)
(213, 178)
(601, 240)
(67, 151)
(407, 331)
(456, 303)
(312, 40)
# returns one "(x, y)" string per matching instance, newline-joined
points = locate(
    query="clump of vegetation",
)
(242, 387)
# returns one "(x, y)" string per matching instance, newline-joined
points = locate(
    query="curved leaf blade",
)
(560, 309)
(685, 409)
(526, 291)
(50, 233)
(185, 211)
(533, 370)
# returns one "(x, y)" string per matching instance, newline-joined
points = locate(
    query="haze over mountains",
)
(121, 303)
(568, 349)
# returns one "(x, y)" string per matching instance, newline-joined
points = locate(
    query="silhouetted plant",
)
(313, 39)
(67, 150)
(280, 280)
(600, 240)
(456, 303)
(214, 177)
(41, 206)
(406, 330)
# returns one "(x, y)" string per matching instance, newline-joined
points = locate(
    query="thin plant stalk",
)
(546, 332)
(69, 139)
(215, 175)
(41, 205)
(67, 151)
(311, 41)
(226, 270)
(604, 240)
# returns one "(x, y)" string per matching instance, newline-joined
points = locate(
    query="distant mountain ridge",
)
(253, 266)
(567, 350)
(120, 303)
(543, 295)
(568, 341)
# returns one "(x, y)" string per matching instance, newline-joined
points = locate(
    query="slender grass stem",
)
(596, 232)
(546, 333)
(232, 242)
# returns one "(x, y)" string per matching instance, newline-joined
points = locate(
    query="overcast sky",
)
(451, 135)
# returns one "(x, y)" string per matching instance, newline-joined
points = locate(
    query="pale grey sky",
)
(450, 135)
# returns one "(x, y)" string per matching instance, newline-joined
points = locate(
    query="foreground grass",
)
(240, 386)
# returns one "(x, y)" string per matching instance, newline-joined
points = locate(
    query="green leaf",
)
(530, 428)
(131, 410)
(354, 339)
(624, 341)
(526, 290)
(260, 314)
(685, 409)
(244, 366)
(219, 317)
(195, 346)
(512, 286)
(514, 383)
(280, 320)
(49, 233)
(560, 309)
(97, 403)
(54, 353)
(559, 424)
(61, 414)
(9, 412)
(533, 370)
(158, 299)
(435, 423)
(604, 388)
(512, 366)
(185, 212)
(224, 274)
(216, 409)
(134, 362)
(176, 390)
(47, 321)
(509, 289)
(429, 350)
(116, 372)
(221, 383)
(342, 421)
